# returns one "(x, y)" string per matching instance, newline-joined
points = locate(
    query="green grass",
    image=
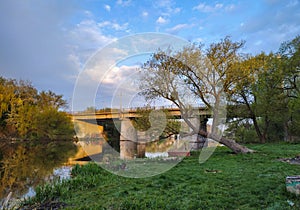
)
(251, 181)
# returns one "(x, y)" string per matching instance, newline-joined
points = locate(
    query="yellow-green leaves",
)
(26, 113)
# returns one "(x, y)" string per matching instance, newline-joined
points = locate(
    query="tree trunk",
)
(253, 117)
(235, 147)
(231, 144)
(257, 129)
(264, 136)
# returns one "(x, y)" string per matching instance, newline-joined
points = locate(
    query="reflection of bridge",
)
(90, 125)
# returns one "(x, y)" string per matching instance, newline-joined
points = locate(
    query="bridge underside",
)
(122, 137)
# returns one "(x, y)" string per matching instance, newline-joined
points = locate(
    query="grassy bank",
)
(225, 181)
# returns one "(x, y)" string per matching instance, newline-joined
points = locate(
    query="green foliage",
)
(290, 54)
(90, 109)
(143, 123)
(294, 127)
(225, 181)
(242, 131)
(28, 114)
(53, 124)
(268, 94)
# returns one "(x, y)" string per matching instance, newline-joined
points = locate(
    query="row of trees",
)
(28, 114)
(265, 100)
(260, 93)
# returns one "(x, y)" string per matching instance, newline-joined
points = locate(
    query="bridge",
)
(132, 113)
(132, 142)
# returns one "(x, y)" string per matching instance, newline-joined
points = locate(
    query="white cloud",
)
(202, 7)
(230, 8)
(74, 59)
(119, 27)
(85, 39)
(107, 7)
(168, 7)
(123, 3)
(145, 14)
(178, 27)
(163, 3)
(88, 13)
(90, 31)
(199, 39)
(176, 10)
(104, 24)
(113, 25)
(117, 75)
(161, 20)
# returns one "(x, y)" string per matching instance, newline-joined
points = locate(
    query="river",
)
(24, 165)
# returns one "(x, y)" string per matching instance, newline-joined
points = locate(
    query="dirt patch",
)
(295, 160)
(53, 205)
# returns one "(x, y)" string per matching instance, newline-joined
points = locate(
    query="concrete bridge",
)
(133, 113)
(131, 142)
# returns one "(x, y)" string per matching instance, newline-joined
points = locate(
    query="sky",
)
(53, 43)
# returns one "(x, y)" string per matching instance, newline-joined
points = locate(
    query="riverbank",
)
(27, 164)
(224, 181)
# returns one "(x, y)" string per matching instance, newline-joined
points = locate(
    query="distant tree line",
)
(26, 113)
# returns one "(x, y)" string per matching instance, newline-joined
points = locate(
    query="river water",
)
(24, 165)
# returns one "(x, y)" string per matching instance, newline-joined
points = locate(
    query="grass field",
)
(224, 181)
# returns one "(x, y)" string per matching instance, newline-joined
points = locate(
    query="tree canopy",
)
(195, 73)
(28, 114)
(259, 92)
(268, 96)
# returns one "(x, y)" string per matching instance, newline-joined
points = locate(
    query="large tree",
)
(268, 93)
(260, 96)
(290, 56)
(26, 113)
(195, 74)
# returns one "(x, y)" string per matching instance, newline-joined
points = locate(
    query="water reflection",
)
(160, 146)
(25, 165)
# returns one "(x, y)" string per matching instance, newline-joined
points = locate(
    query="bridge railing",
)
(131, 109)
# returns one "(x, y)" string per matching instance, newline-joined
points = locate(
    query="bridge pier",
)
(132, 143)
(128, 140)
(141, 150)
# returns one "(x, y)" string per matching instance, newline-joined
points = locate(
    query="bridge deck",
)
(132, 114)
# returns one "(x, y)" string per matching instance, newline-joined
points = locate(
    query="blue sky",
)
(49, 42)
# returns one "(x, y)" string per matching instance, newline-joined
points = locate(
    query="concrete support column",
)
(128, 140)
(141, 149)
(141, 146)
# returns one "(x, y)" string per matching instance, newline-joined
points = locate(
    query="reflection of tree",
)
(25, 165)
(162, 145)
(111, 134)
